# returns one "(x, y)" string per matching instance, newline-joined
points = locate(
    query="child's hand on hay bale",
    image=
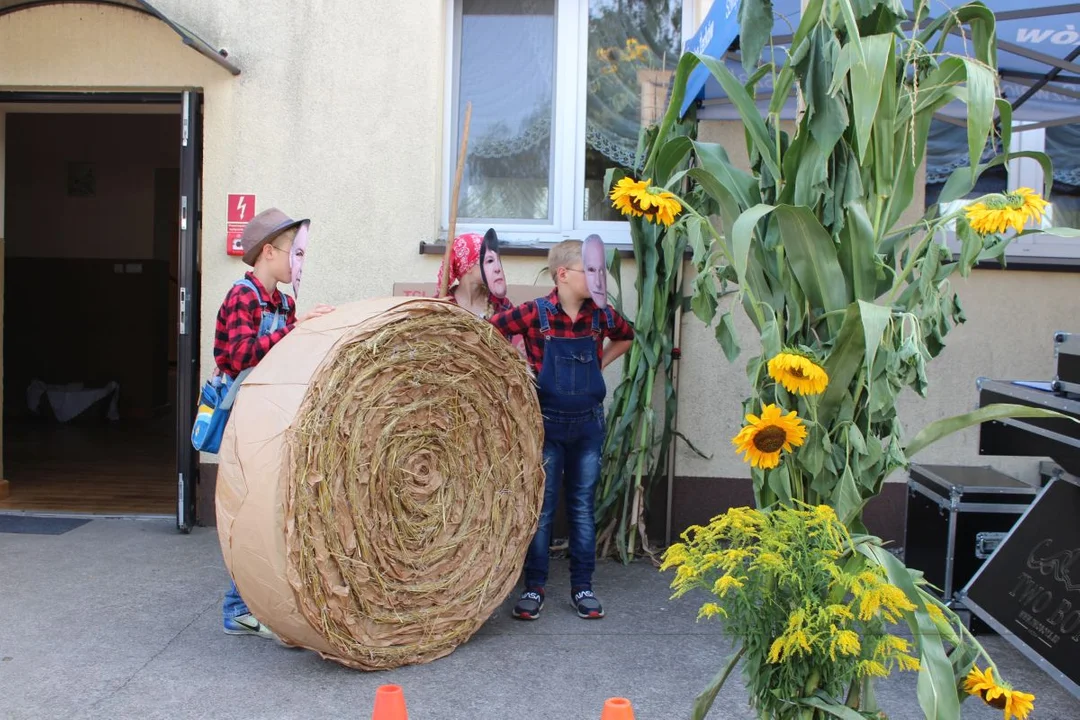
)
(317, 311)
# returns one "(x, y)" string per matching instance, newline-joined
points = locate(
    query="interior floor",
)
(101, 468)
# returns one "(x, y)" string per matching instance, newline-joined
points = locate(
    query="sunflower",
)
(798, 374)
(1010, 210)
(763, 438)
(637, 198)
(999, 695)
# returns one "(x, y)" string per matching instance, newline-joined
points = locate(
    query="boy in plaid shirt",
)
(564, 335)
(254, 317)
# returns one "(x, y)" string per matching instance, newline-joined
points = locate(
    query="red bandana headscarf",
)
(464, 256)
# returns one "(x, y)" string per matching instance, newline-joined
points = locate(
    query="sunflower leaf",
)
(998, 411)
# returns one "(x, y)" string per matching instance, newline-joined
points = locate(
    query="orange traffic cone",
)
(617, 709)
(389, 704)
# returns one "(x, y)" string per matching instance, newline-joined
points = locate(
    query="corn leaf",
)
(725, 335)
(857, 253)
(671, 154)
(946, 426)
(826, 704)
(868, 83)
(704, 702)
(742, 235)
(812, 256)
(844, 361)
(981, 91)
(748, 112)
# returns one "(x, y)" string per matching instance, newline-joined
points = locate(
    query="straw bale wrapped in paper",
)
(380, 480)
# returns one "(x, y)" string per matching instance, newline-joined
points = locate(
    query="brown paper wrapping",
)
(380, 481)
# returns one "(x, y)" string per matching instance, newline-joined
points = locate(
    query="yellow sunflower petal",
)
(765, 437)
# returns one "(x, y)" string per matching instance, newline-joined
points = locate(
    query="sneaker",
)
(248, 625)
(529, 604)
(586, 604)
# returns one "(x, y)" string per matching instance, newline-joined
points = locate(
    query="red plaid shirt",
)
(237, 345)
(524, 320)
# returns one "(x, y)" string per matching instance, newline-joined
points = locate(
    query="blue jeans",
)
(573, 444)
(234, 606)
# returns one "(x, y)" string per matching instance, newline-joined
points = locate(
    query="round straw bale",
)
(380, 480)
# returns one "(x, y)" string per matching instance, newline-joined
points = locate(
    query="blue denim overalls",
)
(571, 390)
(234, 606)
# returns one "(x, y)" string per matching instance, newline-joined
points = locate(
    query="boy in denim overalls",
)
(564, 336)
(253, 318)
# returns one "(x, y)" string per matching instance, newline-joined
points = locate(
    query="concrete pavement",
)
(121, 619)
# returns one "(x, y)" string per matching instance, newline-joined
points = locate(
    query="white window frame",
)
(1025, 172)
(567, 191)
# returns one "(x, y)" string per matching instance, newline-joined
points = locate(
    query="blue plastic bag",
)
(215, 405)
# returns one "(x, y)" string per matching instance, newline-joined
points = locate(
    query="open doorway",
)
(91, 271)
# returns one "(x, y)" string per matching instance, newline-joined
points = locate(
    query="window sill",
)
(1041, 264)
(507, 249)
(1069, 265)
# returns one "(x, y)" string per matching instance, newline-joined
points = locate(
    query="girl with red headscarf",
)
(476, 281)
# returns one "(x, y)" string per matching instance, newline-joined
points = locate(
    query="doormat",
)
(32, 525)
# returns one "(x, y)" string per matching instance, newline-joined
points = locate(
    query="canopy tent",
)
(1038, 44)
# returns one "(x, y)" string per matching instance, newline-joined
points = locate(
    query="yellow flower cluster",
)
(794, 561)
(638, 199)
(1014, 210)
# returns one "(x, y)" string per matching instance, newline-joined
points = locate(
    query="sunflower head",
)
(638, 198)
(996, 214)
(981, 683)
(798, 374)
(763, 438)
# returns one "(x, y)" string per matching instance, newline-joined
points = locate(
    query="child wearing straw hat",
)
(254, 317)
(565, 334)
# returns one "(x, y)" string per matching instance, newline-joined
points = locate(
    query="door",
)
(187, 381)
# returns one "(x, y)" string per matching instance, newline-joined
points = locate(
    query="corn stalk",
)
(814, 240)
(639, 439)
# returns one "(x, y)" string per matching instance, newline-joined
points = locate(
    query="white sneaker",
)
(248, 625)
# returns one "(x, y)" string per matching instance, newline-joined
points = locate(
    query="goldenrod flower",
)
(798, 374)
(726, 583)
(639, 199)
(765, 437)
(709, 610)
(846, 641)
(999, 695)
(1014, 210)
(675, 555)
(872, 668)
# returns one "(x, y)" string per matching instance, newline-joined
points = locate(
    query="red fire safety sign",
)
(241, 210)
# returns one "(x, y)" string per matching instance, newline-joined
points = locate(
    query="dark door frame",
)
(187, 386)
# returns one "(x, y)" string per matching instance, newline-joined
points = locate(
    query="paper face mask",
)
(296, 257)
(491, 269)
(593, 261)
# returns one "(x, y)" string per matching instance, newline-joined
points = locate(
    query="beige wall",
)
(45, 221)
(337, 116)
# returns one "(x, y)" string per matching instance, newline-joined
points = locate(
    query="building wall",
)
(337, 116)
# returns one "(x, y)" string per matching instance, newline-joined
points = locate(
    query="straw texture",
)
(411, 475)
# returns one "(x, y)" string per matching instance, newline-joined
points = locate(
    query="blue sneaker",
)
(586, 604)
(529, 604)
(248, 625)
